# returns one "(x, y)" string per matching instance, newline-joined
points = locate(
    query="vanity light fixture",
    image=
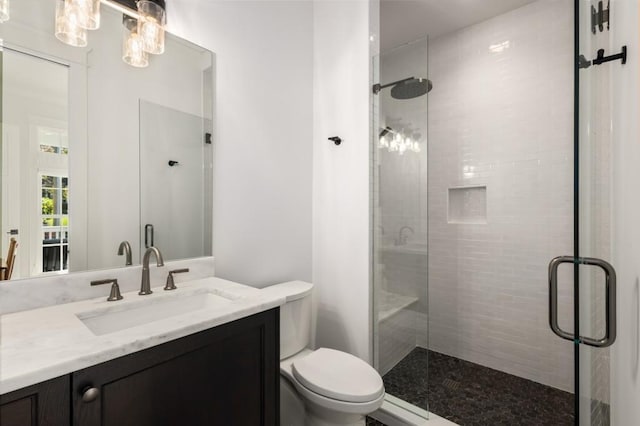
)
(67, 26)
(144, 22)
(89, 13)
(151, 23)
(74, 17)
(133, 52)
(4, 10)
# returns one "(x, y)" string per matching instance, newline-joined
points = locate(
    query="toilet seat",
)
(338, 375)
(361, 408)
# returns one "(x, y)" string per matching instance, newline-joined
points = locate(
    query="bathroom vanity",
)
(212, 359)
(223, 375)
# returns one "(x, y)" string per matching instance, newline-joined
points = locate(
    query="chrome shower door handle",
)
(148, 235)
(610, 309)
(611, 328)
(553, 296)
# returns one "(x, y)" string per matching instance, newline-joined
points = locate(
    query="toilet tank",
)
(295, 316)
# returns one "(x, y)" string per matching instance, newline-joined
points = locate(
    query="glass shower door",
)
(400, 262)
(596, 307)
(593, 328)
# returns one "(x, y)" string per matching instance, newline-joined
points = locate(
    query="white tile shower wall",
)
(502, 117)
(397, 339)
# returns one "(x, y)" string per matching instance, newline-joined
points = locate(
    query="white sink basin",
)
(117, 318)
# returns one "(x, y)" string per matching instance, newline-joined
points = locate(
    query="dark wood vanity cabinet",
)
(44, 404)
(227, 375)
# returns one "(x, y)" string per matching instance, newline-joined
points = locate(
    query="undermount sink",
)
(118, 318)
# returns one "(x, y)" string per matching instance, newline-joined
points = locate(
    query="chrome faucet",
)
(125, 248)
(145, 285)
(402, 239)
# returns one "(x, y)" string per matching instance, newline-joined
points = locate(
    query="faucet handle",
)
(171, 285)
(115, 288)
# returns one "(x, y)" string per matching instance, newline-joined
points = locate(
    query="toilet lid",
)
(338, 375)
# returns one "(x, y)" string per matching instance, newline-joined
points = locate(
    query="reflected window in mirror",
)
(55, 223)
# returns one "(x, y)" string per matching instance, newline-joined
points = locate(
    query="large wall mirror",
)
(96, 152)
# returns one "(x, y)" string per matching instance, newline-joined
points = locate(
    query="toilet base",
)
(320, 416)
(292, 409)
(294, 412)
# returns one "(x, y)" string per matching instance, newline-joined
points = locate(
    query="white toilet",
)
(324, 387)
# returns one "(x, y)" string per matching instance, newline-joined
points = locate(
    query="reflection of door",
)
(34, 142)
(171, 181)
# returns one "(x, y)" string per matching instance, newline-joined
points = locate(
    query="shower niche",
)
(467, 205)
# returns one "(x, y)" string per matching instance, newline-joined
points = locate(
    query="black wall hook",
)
(336, 140)
(601, 59)
(172, 163)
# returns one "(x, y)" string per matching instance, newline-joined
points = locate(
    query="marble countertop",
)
(41, 344)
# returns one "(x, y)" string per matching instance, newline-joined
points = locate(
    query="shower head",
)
(407, 88)
(412, 88)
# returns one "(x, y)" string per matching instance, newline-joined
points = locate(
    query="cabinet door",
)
(226, 376)
(44, 404)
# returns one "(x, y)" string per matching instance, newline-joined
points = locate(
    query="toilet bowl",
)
(322, 387)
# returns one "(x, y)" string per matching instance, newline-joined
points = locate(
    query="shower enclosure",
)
(493, 298)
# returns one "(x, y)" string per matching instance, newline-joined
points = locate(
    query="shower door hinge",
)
(207, 138)
(600, 17)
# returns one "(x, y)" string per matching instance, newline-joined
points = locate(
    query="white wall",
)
(262, 133)
(503, 120)
(625, 353)
(282, 88)
(341, 90)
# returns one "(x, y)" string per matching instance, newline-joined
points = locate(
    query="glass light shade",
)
(67, 27)
(4, 10)
(133, 47)
(151, 26)
(88, 13)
